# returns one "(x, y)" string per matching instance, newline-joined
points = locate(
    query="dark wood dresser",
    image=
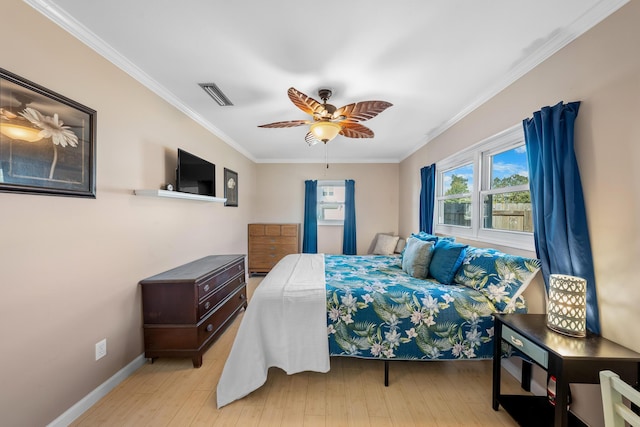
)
(185, 309)
(269, 243)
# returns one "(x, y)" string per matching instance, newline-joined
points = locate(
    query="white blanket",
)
(284, 326)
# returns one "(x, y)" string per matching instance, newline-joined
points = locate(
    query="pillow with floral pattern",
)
(500, 277)
(423, 235)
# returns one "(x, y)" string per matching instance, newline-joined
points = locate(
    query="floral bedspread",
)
(377, 311)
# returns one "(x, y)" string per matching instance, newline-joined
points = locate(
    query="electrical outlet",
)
(101, 349)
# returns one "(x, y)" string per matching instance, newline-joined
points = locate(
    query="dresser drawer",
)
(265, 260)
(219, 317)
(273, 249)
(538, 354)
(274, 240)
(219, 279)
(289, 230)
(210, 302)
(272, 229)
(173, 337)
(256, 230)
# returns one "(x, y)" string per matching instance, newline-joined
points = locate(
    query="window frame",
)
(446, 166)
(319, 204)
(479, 155)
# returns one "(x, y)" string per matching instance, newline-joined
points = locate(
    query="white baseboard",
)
(98, 393)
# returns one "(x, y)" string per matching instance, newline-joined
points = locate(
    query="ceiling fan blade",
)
(355, 130)
(361, 111)
(305, 102)
(310, 139)
(289, 124)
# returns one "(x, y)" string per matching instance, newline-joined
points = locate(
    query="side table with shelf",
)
(569, 359)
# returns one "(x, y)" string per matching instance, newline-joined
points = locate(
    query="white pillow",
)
(385, 244)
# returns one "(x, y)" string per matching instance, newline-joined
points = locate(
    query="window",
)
(506, 201)
(331, 199)
(483, 192)
(455, 203)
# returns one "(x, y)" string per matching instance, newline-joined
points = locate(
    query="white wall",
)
(280, 197)
(602, 69)
(69, 267)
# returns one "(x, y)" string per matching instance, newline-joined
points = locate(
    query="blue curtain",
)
(427, 196)
(349, 244)
(559, 214)
(310, 236)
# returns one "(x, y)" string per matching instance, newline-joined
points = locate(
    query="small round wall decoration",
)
(230, 187)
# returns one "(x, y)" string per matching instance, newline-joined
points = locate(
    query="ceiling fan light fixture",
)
(324, 130)
(330, 121)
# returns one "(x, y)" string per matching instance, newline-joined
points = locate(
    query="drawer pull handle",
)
(516, 341)
(206, 288)
(207, 305)
(209, 328)
(242, 296)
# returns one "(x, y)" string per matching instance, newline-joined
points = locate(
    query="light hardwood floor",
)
(170, 392)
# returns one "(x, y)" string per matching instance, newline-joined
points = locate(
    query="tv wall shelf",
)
(178, 195)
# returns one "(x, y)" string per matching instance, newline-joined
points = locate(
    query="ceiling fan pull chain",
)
(326, 154)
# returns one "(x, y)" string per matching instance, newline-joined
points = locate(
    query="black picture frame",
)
(47, 141)
(230, 187)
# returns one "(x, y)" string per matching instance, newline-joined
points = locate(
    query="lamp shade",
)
(567, 305)
(324, 130)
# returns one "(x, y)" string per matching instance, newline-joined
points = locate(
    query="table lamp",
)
(567, 305)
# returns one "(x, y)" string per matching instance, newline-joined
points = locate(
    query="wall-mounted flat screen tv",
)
(195, 175)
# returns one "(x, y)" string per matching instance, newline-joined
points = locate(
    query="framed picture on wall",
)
(230, 187)
(47, 141)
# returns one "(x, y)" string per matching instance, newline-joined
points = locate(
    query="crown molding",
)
(330, 161)
(559, 40)
(82, 33)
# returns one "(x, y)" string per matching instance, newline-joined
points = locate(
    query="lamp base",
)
(569, 332)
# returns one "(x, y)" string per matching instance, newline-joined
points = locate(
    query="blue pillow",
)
(447, 258)
(417, 256)
(500, 277)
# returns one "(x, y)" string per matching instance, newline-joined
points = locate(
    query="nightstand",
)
(570, 360)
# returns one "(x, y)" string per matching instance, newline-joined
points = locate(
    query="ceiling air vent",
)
(215, 92)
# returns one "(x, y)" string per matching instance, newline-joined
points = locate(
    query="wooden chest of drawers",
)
(269, 243)
(185, 309)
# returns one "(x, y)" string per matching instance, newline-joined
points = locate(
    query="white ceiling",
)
(435, 61)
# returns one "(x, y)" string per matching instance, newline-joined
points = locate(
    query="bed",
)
(376, 310)
(312, 306)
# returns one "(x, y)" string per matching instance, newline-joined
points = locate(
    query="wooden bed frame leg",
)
(386, 373)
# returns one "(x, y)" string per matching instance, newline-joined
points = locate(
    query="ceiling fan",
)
(329, 121)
